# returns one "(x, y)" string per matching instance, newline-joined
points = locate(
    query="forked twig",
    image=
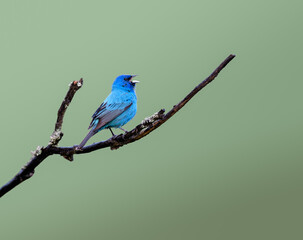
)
(144, 128)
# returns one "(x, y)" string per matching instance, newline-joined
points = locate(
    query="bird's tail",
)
(88, 136)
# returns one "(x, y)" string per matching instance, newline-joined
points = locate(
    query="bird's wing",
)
(108, 112)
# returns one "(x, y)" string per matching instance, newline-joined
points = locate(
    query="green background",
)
(227, 166)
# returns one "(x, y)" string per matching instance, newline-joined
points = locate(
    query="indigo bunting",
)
(117, 109)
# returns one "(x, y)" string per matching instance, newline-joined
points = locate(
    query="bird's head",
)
(125, 82)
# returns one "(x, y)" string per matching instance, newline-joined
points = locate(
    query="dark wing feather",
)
(98, 112)
(108, 112)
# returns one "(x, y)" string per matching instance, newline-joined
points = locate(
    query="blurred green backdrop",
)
(227, 166)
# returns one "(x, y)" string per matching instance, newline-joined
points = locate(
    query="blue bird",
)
(117, 109)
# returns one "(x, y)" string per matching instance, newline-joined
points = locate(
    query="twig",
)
(41, 153)
(144, 128)
(58, 134)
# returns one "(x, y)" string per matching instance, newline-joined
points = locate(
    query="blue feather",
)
(117, 109)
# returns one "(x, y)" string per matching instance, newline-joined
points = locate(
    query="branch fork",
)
(147, 125)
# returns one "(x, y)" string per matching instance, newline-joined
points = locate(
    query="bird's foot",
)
(123, 130)
(77, 148)
(112, 132)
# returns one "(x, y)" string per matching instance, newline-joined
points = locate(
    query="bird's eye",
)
(128, 78)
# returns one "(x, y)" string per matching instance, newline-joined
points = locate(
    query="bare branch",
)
(148, 125)
(58, 134)
(41, 153)
(144, 128)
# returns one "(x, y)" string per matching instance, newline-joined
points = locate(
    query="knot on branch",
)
(55, 137)
(37, 152)
(146, 122)
(69, 155)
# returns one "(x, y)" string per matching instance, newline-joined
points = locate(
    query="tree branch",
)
(41, 153)
(144, 128)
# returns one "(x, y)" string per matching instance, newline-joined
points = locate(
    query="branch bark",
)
(144, 128)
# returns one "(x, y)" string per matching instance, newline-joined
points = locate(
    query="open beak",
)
(134, 81)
